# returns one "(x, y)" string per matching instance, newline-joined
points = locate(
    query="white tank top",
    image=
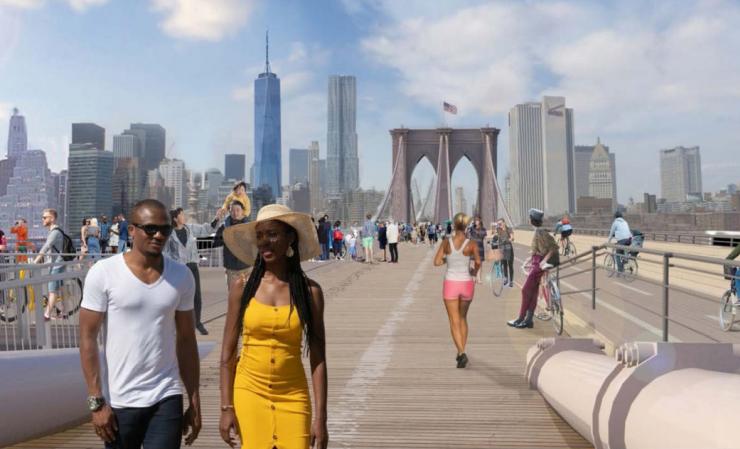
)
(458, 264)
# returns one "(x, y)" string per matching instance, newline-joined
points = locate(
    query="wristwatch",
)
(95, 403)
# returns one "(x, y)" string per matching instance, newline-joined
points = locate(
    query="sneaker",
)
(202, 329)
(511, 284)
(462, 362)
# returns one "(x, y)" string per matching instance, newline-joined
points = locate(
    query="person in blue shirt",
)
(104, 233)
(122, 234)
(620, 231)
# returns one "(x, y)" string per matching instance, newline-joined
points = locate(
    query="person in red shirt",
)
(21, 239)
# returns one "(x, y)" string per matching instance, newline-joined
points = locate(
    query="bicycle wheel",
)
(496, 279)
(543, 311)
(570, 249)
(609, 265)
(71, 298)
(556, 305)
(726, 311)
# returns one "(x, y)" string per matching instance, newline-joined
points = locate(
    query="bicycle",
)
(629, 263)
(549, 302)
(68, 302)
(496, 278)
(728, 304)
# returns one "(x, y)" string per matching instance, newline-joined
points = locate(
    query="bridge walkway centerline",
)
(391, 361)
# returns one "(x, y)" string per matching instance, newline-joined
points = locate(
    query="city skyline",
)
(388, 48)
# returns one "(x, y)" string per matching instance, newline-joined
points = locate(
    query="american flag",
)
(451, 108)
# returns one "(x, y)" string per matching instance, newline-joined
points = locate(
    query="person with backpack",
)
(104, 233)
(57, 247)
(338, 237)
(544, 255)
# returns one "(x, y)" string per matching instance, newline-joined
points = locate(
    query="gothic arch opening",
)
(423, 177)
(465, 187)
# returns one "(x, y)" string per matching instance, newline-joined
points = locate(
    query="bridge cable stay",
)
(499, 196)
(384, 203)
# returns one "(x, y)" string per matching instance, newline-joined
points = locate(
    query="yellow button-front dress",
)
(271, 398)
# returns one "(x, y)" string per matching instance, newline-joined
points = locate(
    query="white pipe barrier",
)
(43, 392)
(650, 396)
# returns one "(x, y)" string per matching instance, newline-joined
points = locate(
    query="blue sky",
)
(642, 76)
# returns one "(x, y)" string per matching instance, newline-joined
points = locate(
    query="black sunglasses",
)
(151, 229)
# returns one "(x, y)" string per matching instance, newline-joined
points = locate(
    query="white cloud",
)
(210, 20)
(643, 76)
(77, 5)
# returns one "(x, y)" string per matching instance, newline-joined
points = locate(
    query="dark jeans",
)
(508, 269)
(156, 427)
(620, 253)
(393, 247)
(324, 251)
(198, 300)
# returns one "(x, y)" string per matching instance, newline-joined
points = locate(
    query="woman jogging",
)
(543, 247)
(265, 395)
(457, 292)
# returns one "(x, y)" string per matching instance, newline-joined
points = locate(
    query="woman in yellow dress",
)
(264, 392)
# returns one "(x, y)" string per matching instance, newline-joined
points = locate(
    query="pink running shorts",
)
(463, 290)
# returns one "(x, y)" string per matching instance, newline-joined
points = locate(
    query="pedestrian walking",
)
(458, 252)
(368, 238)
(338, 239)
(432, 234)
(122, 234)
(149, 346)
(323, 237)
(234, 267)
(478, 234)
(104, 233)
(264, 392)
(50, 253)
(114, 233)
(544, 247)
(92, 238)
(392, 234)
(505, 242)
(383, 239)
(182, 246)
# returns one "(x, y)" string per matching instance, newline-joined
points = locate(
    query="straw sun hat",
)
(241, 239)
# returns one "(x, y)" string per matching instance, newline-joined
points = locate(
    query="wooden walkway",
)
(392, 376)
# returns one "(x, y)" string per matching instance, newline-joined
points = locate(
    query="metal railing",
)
(718, 238)
(24, 294)
(665, 261)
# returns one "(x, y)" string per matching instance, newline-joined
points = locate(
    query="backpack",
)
(68, 247)
(338, 235)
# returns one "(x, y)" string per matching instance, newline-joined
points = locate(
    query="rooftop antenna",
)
(267, 51)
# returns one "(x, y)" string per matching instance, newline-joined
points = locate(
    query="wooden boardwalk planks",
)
(392, 376)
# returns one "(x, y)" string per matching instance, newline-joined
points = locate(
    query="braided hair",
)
(300, 290)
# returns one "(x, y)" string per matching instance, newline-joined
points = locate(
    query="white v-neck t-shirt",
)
(139, 347)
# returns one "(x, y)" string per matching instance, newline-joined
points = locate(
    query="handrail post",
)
(593, 278)
(666, 268)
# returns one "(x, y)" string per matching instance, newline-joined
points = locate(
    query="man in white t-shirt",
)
(149, 346)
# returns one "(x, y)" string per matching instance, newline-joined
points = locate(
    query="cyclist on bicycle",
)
(620, 231)
(735, 272)
(565, 229)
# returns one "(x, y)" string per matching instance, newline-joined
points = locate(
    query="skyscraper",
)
(89, 186)
(680, 173)
(153, 150)
(267, 146)
(298, 166)
(461, 205)
(583, 156)
(88, 133)
(127, 184)
(342, 162)
(30, 190)
(234, 165)
(314, 184)
(126, 146)
(17, 136)
(173, 173)
(541, 158)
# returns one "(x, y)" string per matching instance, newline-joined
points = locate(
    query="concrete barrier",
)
(44, 392)
(650, 395)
